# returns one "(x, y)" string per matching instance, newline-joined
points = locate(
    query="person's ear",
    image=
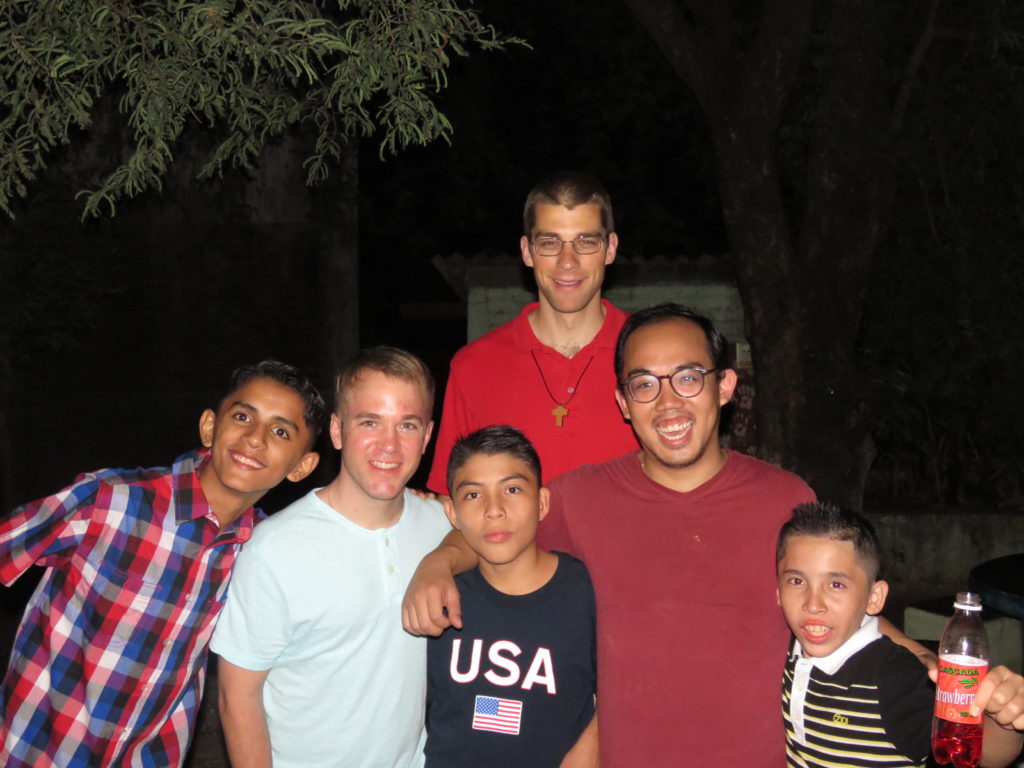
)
(876, 599)
(727, 382)
(622, 403)
(524, 249)
(543, 503)
(207, 427)
(305, 466)
(612, 249)
(335, 431)
(426, 438)
(449, 511)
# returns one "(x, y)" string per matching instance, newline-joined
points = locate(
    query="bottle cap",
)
(967, 601)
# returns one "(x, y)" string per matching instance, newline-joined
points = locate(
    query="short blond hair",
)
(393, 362)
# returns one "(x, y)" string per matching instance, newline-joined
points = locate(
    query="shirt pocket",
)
(121, 604)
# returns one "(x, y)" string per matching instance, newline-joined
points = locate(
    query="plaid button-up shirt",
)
(109, 660)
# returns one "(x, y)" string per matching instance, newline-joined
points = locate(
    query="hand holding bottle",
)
(1001, 697)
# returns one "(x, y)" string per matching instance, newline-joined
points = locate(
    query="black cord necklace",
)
(560, 411)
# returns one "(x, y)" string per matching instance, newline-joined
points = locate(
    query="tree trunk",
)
(802, 265)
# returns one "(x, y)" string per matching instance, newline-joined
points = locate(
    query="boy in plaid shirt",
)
(109, 661)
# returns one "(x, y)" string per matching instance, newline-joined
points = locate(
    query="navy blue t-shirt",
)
(515, 686)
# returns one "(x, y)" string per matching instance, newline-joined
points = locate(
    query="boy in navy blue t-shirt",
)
(515, 685)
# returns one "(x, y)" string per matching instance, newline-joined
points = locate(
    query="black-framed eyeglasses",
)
(584, 245)
(686, 382)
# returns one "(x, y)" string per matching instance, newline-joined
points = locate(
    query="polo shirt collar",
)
(526, 339)
(190, 502)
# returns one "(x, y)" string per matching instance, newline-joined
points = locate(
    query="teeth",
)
(673, 430)
(247, 461)
(384, 464)
(817, 630)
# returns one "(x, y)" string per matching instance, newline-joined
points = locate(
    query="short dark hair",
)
(828, 521)
(569, 189)
(287, 376)
(717, 344)
(491, 441)
(393, 362)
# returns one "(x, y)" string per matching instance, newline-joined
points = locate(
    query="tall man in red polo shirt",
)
(549, 371)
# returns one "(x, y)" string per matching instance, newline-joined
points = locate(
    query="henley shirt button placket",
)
(391, 569)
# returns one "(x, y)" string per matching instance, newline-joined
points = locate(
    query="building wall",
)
(490, 306)
(929, 554)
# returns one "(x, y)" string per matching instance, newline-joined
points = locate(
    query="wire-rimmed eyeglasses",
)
(584, 245)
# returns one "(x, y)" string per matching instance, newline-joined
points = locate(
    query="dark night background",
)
(118, 331)
(115, 333)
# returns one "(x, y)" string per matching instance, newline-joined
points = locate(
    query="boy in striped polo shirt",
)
(851, 696)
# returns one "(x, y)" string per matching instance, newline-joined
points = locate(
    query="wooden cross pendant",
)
(559, 412)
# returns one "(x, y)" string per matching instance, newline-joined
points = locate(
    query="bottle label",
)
(959, 678)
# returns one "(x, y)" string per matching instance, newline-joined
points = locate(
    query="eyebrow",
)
(830, 574)
(273, 417)
(514, 476)
(579, 234)
(406, 417)
(683, 367)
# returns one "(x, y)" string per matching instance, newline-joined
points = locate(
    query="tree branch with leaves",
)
(247, 70)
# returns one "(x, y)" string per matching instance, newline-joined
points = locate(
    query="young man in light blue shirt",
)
(315, 667)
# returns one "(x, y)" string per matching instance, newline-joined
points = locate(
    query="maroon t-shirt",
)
(691, 640)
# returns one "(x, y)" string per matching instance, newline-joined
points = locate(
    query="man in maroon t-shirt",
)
(679, 540)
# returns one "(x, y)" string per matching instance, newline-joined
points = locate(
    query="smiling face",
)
(568, 282)
(824, 592)
(679, 435)
(257, 438)
(497, 504)
(381, 429)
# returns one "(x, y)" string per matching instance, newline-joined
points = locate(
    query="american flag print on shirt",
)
(498, 715)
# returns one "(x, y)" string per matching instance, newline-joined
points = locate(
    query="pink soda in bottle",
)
(963, 663)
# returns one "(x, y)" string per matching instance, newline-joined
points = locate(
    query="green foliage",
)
(248, 70)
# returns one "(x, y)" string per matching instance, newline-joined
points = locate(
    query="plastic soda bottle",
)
(963, 663)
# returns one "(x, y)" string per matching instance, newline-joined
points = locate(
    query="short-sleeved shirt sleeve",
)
(45, 531)
(254, 628)
(906, 697)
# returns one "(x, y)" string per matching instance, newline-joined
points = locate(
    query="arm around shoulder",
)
(926, 657)
(242, 717)
(431, 602)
